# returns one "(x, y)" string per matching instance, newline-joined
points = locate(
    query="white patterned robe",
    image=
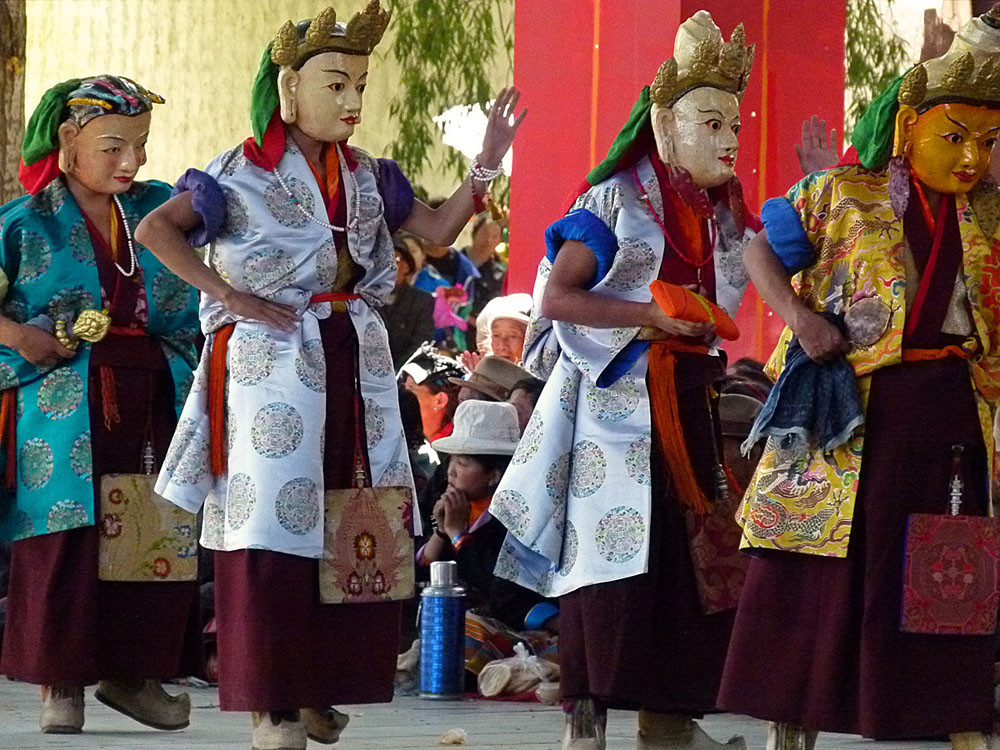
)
(576, 498)
(272, 497)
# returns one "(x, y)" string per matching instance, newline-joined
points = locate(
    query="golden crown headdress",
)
(323, 34)
(968, 72)
(702, 58)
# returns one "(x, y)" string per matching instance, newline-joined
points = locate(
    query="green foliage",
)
(875, 56)
(446, 49)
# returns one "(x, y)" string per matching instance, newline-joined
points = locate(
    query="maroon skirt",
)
(66, 628)
(279, 648)
(644, 642)
(817, 641)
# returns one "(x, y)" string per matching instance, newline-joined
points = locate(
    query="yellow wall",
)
(201, 56)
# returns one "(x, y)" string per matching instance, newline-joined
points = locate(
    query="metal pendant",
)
(867, 321)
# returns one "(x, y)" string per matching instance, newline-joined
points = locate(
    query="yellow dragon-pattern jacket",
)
(803, 501)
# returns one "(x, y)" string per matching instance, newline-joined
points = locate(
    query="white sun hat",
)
(482, 428)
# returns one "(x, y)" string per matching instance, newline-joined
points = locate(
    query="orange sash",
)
(217, 398)
(929, 355)
(666, 416)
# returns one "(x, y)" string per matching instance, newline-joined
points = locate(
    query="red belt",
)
(334, 297)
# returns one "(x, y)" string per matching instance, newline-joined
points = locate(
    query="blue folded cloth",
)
(815, 403)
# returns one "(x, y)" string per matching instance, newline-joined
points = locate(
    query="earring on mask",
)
(734, 198)
(899, 178)
(288, 109)
(67, 160)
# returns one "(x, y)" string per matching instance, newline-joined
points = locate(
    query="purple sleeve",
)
(397, 193)
(207, 200)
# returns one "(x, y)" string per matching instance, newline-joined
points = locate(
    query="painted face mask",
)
(699, 135)
(328, 90)
(108, 152)
(949, 146)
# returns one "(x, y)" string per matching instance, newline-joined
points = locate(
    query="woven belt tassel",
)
(109, 397)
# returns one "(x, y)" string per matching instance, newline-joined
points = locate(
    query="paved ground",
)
(404, 724)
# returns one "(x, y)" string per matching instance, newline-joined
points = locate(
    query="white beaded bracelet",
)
(483, 174)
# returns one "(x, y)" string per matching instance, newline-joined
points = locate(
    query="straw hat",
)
(482, 428)
(494, 377)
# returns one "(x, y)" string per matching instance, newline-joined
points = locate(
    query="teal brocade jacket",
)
(48, 268)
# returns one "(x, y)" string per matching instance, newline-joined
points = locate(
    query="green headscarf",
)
(636, 127)
(41, 136)
(874, 132)
(264, 96)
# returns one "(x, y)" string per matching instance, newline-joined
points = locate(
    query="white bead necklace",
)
(302, 209)
(128, 236)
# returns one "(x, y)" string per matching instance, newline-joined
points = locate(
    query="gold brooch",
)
(90, 326)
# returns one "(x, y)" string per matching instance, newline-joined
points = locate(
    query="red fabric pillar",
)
(581, 65)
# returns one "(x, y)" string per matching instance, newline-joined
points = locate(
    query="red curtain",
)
(580, 66)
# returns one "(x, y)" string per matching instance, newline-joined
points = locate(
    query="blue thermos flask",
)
(442, 635)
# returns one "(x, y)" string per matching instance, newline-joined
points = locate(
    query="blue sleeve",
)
(397, 193)
(208, 201)
(583, 226)
(786, 235)
(622, 363)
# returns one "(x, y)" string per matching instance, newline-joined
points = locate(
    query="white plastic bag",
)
(518, 674)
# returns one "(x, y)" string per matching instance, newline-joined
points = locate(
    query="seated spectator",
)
(493, 379)
(487, 235)
(480, 449)
(424, 460)
(502, 326)
(409, 313)
(523, 397)
(426, 374)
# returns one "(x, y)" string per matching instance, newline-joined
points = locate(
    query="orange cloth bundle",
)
(683, 304)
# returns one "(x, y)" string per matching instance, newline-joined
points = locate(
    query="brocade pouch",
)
(720, 567)
(950, 575)
(367, 546)
(144, 537)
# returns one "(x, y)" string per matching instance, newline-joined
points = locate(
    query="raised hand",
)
(501, 127)
(818, 150)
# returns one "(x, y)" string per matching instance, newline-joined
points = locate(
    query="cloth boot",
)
(789, 737)
(584, 727)
(278, 730)
(659, 731)
(973, 741)
(147, 702)
(324, 725)
(62, 710)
